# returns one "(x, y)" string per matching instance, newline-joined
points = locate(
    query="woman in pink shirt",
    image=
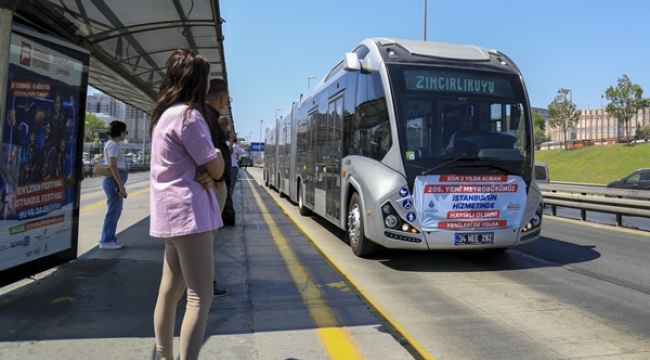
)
(183, 211)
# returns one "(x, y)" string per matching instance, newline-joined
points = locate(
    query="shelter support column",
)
(6, 19)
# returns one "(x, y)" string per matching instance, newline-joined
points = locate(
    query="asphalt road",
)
(581, 292)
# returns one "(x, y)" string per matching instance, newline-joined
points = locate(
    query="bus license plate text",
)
(473, 238)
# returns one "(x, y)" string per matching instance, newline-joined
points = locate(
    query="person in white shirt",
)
(114, 185)
(236, 152)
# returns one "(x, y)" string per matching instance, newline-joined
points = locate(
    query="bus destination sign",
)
(469, 83)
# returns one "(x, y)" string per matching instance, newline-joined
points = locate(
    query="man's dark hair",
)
(217, 87)
(115, 128)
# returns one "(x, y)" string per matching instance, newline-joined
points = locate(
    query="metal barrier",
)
(88, 170)
(595, 197)
(138, 168)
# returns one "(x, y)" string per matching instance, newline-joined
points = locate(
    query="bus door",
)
(333, 157)
(283, 158)
(310, 161)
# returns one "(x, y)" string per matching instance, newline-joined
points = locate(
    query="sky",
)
(272, 48)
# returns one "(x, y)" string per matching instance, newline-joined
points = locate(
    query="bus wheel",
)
(355, 234)
(301, 203)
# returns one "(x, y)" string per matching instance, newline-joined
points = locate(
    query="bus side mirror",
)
(515, 116)
(352, 62)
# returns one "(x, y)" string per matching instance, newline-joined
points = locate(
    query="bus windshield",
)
(445, 114)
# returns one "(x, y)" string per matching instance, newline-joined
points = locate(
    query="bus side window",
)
(372, 115)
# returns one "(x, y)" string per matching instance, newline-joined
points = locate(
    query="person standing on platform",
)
(228, 213)
(217, 99)
(234, 172)
(183, 211)
(114, 185)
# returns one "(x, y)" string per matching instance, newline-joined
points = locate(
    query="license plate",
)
(473, 238)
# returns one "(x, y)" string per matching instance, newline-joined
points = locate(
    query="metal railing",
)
(596, 197)
(88, 170)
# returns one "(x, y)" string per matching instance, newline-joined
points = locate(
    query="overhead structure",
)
(131, 40)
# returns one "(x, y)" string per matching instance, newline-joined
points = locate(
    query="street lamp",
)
(276, 114)
(260, 144)
(309, 81)
(248, 142)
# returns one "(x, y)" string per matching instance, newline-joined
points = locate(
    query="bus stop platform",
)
(284, 300)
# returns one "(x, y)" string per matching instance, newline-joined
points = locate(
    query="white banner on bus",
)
(469, 202)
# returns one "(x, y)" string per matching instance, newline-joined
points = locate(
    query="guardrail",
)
(88, 171)
(596, 197)
(138, 168)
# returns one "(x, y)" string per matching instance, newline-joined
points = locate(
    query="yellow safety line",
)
(101, 203)
(410, 340)
(336, 339)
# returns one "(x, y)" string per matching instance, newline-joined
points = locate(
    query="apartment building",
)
(598, 127)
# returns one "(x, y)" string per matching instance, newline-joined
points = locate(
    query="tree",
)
(563, 113)
(539, 125)
(538, 121)
(92, 124)
(625, 101)
(642, 133)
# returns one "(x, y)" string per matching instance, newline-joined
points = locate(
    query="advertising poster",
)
(44, 110)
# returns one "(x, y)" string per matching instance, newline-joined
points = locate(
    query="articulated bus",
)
(415, 145)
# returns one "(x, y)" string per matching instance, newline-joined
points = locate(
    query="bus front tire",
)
(355, 234)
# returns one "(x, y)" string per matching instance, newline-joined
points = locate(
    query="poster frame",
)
(47, 262)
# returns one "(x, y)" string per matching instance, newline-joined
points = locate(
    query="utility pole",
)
(259, 149)
(425, 21)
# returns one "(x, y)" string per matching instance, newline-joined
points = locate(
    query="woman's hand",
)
(204, 178)
(121, 190)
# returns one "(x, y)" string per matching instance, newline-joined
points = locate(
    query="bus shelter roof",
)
(131, 40)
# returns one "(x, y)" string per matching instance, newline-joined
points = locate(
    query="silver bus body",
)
(367, 149)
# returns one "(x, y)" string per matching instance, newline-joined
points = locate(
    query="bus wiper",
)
(449, 162)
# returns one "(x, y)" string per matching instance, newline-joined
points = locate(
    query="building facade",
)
(99, 103)
(598, 127)
(108, 109)
(137, 121)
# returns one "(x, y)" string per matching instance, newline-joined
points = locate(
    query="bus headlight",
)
(391, 221)
(534, 221)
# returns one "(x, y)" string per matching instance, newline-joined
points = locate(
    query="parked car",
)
(245, 162)
(87, 166)
(541, 173)
(638, 180)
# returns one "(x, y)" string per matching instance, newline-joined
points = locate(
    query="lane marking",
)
(408, 341)
(335, 338)
(102, 203)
